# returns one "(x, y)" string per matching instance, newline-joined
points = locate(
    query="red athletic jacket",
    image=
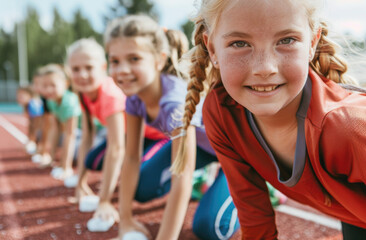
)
(334, 176)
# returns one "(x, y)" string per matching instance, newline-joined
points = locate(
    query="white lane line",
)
(15, 132)
(12, 221)
(322, 220)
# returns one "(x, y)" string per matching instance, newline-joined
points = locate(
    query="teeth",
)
(264, 89)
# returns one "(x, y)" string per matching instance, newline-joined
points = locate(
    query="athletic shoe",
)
(72, 181)
(31, 147)
(134, 235)
(99, 225)
(60, 174)
(37, 158)
(88, 203)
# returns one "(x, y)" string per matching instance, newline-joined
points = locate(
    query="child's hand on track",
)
(106, 211)
(132, 225)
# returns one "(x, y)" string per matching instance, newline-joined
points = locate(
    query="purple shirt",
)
(171, 110)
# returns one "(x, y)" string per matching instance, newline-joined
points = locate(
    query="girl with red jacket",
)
(276, 113)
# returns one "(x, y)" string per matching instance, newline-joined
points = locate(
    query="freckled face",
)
(132, 64)
(262, 48)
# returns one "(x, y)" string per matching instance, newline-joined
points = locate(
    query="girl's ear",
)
(211, 50)
(314, 43)
(161, 60)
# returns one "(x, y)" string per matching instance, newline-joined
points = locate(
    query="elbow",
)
(116, 150)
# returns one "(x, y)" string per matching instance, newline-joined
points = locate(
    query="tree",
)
(38, 42)
(8, 55)
(188, 28)
(83, 29)
(124, 7)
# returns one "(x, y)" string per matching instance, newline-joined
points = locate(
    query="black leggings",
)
(351, 232)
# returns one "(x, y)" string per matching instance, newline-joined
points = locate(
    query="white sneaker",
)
(46, 160)
(37, 158)
(88, 203)
(59, 173)
(56, 171)
(99, 225)
(134, 235)
(31, 147)
(72, 181)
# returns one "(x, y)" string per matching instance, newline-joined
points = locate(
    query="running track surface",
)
(33, 205)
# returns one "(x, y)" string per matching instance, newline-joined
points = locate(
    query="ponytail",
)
(178, 45)
(200, 62)
(327, 62)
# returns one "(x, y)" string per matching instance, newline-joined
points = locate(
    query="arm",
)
(49, 134)
(341, 156)
(181, 188)
(346, 142)
(112, 165)
(130, 174)
(32, 129)
(68, 148)
(86, 143)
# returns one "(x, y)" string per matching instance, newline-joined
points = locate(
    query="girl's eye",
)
(239, 44)
(75, 69)
(134, 59)
(287, 41)
(89, 68)
(114, 61)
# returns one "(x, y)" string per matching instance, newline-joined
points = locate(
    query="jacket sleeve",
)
(248, 189)
(343, 143)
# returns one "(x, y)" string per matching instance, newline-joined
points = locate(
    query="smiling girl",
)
(64, 105)
(276, 113)
(143, 62)
(101, 100)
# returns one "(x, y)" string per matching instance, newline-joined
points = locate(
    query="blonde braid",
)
(327, 62)
(200, 61)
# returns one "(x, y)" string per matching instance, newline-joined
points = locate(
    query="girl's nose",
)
(83, 74)
(123, 68)
(264, 64)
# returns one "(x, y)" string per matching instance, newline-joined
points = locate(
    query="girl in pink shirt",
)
(103, 100)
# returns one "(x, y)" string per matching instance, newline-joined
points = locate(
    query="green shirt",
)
(69, 107)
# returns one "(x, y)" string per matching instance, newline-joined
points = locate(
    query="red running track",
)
(33, 205)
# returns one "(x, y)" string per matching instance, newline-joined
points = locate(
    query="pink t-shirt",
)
(109, 101)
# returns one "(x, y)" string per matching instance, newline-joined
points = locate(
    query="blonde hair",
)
(26, 89)
(53, 68)
(86, 45)
(326, 62)
(171, 42)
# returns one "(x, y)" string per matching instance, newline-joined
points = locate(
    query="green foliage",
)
(188, 28)
(8, 60)
(43, 46)
(49, 46)
(82, 27)
(124, 7)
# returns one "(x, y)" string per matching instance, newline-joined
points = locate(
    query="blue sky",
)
(344, 15)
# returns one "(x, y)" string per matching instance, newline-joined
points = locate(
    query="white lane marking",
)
(12, 221)
(322, 220)
(15, 132)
